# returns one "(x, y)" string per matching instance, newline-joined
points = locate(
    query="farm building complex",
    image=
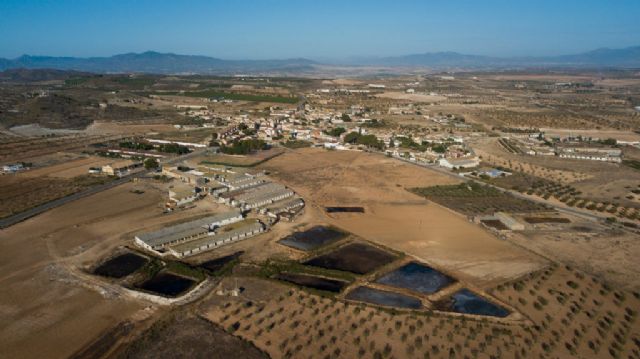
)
(243, 192)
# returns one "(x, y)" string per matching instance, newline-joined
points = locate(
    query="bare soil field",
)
(189, 337)
(22, 191)
(393, 216)
(17, 149)
(237, 160)
(98, 127)
(45, 295)
(596, 181)
(571, 315)
(414, 97)
(69, 169)
(606, 253)
(602, 134)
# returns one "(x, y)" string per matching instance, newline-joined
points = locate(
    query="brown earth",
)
(393, 216)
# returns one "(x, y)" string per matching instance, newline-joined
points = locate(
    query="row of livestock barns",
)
(246, 191)
(254, 192)
(242, 192)
(199, 235)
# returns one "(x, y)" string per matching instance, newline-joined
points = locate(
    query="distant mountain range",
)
(155, 62)
(167, 63)
(625, 58)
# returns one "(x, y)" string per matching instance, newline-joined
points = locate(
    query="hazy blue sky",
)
(315, 28)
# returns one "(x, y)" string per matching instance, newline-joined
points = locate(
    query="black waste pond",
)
(313, 238)
(417, 277)
(215, 265)
(344, 209)
(310, 281)
(381, 297)
(467, 302)
(167, 284)
(356, 258)
(121, 266)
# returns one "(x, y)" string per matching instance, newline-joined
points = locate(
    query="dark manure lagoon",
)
(355, 258)
(416, 277)
(381, 297)
(167, 284)
(310, 281)
(313, 238)
(344, 209)
(121, 266)
(467, 302)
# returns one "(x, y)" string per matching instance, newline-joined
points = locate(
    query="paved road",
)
(16, 218)
(569, 210)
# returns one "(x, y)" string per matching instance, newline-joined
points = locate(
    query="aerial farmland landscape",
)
(314, 201)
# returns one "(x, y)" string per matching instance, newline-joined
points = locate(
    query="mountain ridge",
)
(171, 63)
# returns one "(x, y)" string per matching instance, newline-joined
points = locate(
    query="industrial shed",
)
(222, 236)
(185, 231)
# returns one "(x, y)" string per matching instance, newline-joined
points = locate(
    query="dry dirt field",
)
(236, 160)
(98, 127)
(609, 254)
(190, 337)
(413, 97)
(69, 169)
(395, 217)
(587, 176)
(46, 297)
(571, 315)
(21, 192)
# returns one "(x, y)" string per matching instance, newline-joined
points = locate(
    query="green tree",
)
(336, 132)
(150, 163)
(351, 137)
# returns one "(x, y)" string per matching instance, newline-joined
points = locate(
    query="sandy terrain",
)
(415, 97)
(70, 169)
(608, 254)
(603, 134)
(396, 218)
(540, 77)
(575, 316)
(45, 295)
(127, 128)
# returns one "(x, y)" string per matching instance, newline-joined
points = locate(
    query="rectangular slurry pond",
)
(344, 209)
(311, 281)
(467, 302)
(121, 266)
(416, 277)
(384, 298)
(356, 258)
(313, 238)
(167, 284)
